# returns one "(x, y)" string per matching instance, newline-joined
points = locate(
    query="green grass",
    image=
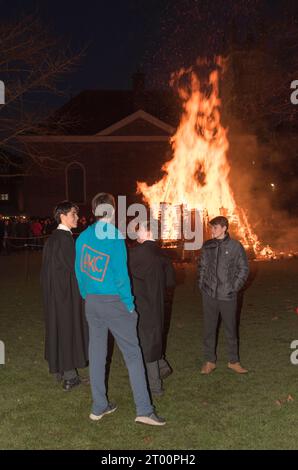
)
(221, 411)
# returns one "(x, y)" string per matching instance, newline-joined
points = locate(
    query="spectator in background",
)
(22, 231)
(82, 225)
(91, 220)
(36, 230)
(6, 236)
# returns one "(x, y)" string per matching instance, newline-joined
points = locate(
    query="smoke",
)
(259, 192)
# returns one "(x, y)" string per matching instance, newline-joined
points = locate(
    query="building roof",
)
(92, 111)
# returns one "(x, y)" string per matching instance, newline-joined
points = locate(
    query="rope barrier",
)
(41, 238)
(26, 238)
(7, 242)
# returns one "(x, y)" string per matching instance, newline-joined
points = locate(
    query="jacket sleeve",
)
(120, 273)
(242, 269)
(202, 267)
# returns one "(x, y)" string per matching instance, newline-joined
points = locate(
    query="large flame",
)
(197, 176)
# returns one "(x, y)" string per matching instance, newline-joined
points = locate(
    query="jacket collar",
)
(213, 242)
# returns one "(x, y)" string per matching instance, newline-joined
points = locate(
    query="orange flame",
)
(197, 175)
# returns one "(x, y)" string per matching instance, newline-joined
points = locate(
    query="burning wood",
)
(197, 176)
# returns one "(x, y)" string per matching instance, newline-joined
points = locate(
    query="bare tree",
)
(31, 62)
(259, 75)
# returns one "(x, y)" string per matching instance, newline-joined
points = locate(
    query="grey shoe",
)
(109, 409)
(70, 384)
(151, 419)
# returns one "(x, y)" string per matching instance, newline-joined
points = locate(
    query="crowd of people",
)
(20, 231)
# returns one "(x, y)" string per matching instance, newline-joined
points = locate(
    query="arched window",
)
(76, 183)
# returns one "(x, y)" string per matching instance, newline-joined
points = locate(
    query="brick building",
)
(120, 137)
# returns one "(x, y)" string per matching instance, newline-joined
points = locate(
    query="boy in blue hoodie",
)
(101, 270)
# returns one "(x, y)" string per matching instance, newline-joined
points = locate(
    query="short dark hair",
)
(220, 220)
(102, 199)
(63, 208)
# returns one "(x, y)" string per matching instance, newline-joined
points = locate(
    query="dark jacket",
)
(151, 273)
(223, 268)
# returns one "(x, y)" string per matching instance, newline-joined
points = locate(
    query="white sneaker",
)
(109, 409)
(151, 419)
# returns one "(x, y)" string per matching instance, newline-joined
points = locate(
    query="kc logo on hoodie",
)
(94, 263)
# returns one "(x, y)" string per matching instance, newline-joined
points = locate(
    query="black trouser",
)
(67, 375)
(228, 310)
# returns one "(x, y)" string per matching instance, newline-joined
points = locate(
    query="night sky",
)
(153, 35)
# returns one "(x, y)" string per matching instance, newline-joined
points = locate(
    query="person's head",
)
(219, 227)
(145, 231)
(66, 213)
(103, 206)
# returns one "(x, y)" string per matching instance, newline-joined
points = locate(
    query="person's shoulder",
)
(60, 234)
(84, 234)
(107, 231)
(150, 249)
(136, 248)
(118, 234)
(55, 235)
(236, 243)
(146, 253)
(53, 239)
(210, 243)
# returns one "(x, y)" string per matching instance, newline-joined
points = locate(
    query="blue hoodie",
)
(101, 263)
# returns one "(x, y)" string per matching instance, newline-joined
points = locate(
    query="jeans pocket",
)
(124, 308)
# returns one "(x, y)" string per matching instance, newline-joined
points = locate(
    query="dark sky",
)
(118, 34)
(157, 36)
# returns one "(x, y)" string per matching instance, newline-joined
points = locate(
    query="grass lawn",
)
(221, 411)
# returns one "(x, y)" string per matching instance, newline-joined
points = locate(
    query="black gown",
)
(151, 273)
(66, 330)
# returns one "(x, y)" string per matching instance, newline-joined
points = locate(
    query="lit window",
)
(4, 197)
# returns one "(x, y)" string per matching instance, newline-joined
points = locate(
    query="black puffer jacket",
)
(223, 268)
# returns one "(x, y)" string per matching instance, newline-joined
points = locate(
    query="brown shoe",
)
(237, 368)
(207, 368)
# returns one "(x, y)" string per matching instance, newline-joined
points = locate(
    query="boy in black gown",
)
(66, 331)
(152, 272)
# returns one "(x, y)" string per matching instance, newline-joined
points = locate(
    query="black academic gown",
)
(66, 331)
(151, 273)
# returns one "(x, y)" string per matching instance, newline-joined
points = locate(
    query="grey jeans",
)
(108, 313)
